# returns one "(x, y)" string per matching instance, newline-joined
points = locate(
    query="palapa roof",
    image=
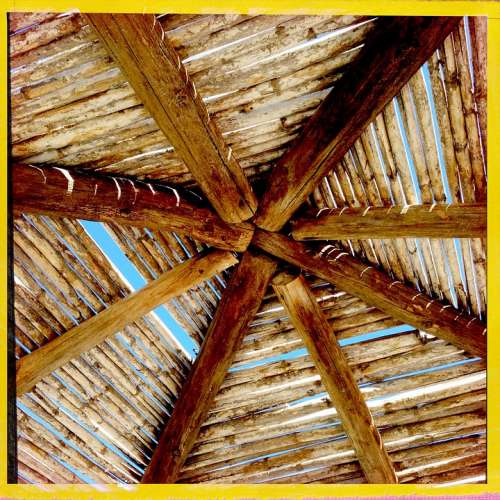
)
(268, 411)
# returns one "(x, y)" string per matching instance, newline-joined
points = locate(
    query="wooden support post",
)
(415, 221)
(154, 70)
(377, 289)
(238, 306)
(336, 375)
(392, 54)
(33, 367)
(58, 192)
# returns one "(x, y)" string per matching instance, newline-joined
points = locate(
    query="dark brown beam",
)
(336, 375)
(33, 367)
(57, 192)
(238, 306)
(377, 289)
(392, 54)
(154, 70)
(415, 221)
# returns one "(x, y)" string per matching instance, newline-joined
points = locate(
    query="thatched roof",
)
(99, 415)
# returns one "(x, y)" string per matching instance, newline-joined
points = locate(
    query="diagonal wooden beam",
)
(392, 54)
(238, 306)
(154, 70)
(33, 367)
(377, 289)
(54, 191)
(336, 375)
(467, 220)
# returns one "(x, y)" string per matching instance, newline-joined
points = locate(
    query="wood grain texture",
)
(416, 221)
(379, 290)
(49, 191)
(478, 26)
(336, 375)
(395, 51)
(154, 70)
(33, 367)
(237, 308)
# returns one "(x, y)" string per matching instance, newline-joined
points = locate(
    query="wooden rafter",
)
(336, 375)
(33, 367)
(377, 289)
(417, 221)
(154, 70)
(395, 51)
(238, 306)
(60, 193)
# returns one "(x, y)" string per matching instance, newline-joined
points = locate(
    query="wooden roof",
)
(288, 186)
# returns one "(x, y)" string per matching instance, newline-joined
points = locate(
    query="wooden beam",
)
(415, 221)
(154, 70)
(238, 306)
(377, 289)
(392, 54)
(33, 367)
(58, 192)
(336, 375)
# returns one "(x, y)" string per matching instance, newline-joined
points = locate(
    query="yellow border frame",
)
(373, 7)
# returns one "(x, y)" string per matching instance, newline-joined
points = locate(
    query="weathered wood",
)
(415, 221)
(399, 46)
(377, 288)
(58, 192)
(33, 367)
(478, 26)
(154, 70)
(337, 377)
(237, 308)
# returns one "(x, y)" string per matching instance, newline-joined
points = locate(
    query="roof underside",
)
(97, 418)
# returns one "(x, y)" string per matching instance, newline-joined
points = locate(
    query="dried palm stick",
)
(286, 35)
(61, 256)
(59, 81)
(471, 125)
(44, 34)
(41, 455)
(202, 293)
(36, 243)
(61, 46)
(246, 26)
(478, 34)
(468, 474)
(36, 72)
(215, 80)
(283, 419)
(200, 28)
(394, 439)
(304, 415)
(368, 152)
(406, 247)
(28, 255)
(411, 119)
(93, 419)
(78, 436)
(430, 153)
(309, 387)
(265, 91)
(349, 183)
(192, 328)
(77, 90)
